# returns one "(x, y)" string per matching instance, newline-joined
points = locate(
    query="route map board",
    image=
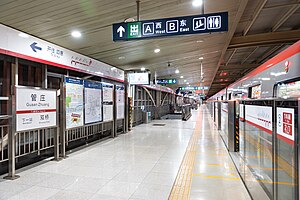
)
(93, 102)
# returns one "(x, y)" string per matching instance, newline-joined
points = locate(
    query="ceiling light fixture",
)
(181, 76)
(201, 58)
(121, 57)
(23, 35)
(76, 34)
(143, 69)
(197, 3)
(199, 41)
(156, 50)
(177, 71)
(184, 81)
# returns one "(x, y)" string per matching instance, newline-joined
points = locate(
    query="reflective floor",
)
(142, 164)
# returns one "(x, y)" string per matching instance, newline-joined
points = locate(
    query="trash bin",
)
(147, 117)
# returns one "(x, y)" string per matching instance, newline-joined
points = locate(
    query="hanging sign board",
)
(18, 44)
(93, 102)
(285, 123)
(166, 81)
(186, 25)
(194, 88)
(138, 79)
(35, 108)
(120, 101)
(74, 102)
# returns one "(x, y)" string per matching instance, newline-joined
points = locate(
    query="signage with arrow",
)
(186, 25)
(35, 48)
(166, 81)
(121, 30)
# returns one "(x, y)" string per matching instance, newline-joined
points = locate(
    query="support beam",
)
(280, 5)
(285, 17)
(287, 37)
(231, 56)
(257, 11)
(249, 55)
(232, 29)
(237, 66)
(269, 52)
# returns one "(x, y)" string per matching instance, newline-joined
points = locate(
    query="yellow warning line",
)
(182, 185)
(231, 177)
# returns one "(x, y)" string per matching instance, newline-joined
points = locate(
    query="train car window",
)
(286, 90)
(255, 92)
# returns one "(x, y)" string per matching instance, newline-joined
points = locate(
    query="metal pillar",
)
(63, 123)
(233, 127)
(138, 10)
(12, 131)
(126, 108)
(114, 130)
(57, 130)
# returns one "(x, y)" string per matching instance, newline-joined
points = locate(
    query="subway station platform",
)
(165, 159)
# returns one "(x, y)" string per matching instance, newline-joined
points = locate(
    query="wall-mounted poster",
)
(108, 110)
(35, 108)
(120, 101)
(74, 102)
(93, 102)
(108, 91)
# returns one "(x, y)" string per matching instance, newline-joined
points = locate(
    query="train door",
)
(287, 140)
(286, 149)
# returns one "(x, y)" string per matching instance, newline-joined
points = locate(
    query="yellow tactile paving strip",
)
(182, 186)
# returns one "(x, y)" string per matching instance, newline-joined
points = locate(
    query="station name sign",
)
(186, 25)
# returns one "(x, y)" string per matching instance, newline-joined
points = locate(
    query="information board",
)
(108, 110)
(93, 102)
(74, 102)
(35, 108)
(285, 123)
(120, 101)
(108, 92)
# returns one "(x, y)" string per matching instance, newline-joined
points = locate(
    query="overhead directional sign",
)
(194, 88)
(166, 81)
(34, 47)
(186, 25)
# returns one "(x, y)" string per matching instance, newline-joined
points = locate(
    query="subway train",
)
(262, 107)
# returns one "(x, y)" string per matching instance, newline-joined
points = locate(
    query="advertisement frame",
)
(64, 102)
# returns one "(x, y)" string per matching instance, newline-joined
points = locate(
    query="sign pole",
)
(12, 131)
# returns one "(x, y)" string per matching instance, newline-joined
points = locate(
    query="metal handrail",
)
(2, 117)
